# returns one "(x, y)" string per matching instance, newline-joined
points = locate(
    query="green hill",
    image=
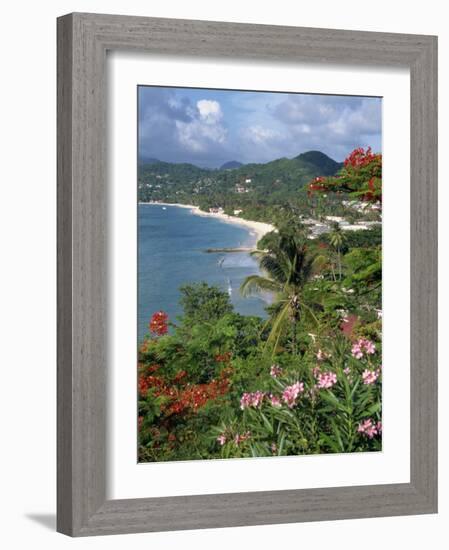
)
(231, 165)
(254, 188)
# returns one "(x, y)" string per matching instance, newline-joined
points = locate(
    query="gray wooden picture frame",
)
(83, 40)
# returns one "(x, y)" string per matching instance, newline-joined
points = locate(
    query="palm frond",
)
(257, 283)
(277, 328)
(273, 267)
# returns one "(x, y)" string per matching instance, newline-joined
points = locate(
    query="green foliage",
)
(363, 239)
(201, 302)
(364, 266)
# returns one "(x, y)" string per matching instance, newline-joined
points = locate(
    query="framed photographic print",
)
(246, 274)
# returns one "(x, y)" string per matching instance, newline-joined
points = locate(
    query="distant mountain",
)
(231, 165)
(148, 160)
(318, 159)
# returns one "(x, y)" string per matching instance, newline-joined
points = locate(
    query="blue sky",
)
(210, 127)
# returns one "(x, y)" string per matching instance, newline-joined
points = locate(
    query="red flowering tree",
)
(360, 177)
(159, 323)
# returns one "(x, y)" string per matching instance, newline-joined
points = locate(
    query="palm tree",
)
(287, 268)
(337, 238)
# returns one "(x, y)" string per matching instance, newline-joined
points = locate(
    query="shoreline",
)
(257, 229)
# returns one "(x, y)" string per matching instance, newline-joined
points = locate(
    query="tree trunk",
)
(339, 264)
(295, 319)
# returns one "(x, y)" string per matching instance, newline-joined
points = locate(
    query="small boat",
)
(164, 208)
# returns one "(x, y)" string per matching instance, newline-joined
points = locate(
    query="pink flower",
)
(327, 380)
(363, 345)
(275, 400)
(356, 351)
(258, 398)
(370, 376)
(221, 439)
(290, 394)
(245, 401)
(275, 371)
(368, 428)
(370, 347)
(347, 371)
(241, 437)
(251, 399)
(379, 427)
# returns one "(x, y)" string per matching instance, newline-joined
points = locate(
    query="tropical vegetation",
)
(307, 379)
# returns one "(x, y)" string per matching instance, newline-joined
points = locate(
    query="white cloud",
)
(197, 136)
(209, 110)
(260, 135)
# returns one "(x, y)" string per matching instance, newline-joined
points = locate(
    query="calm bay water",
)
(171, 246)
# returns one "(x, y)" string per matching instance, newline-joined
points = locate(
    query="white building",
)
(241, 189)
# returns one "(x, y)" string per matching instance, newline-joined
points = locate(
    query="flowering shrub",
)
(171, 401)
(370, 376)
(369, 428)
(336, 409)
(361, 347)
(251, 400)
(291, 393)
(361, 177)
(180, 396)
(326, 380)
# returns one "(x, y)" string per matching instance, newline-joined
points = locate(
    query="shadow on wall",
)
(46, 520)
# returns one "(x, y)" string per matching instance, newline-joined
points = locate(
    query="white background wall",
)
(27, 288)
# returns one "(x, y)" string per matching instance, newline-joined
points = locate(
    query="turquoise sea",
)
(171, 245)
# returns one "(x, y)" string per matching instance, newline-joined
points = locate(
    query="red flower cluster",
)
(359, 157)
(318, 184)
(181, 396)
(159, 323)
(360, 177)
(195, 396)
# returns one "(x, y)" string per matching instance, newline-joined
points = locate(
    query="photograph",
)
(259, 274)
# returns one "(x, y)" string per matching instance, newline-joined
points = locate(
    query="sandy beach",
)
(257, 229)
